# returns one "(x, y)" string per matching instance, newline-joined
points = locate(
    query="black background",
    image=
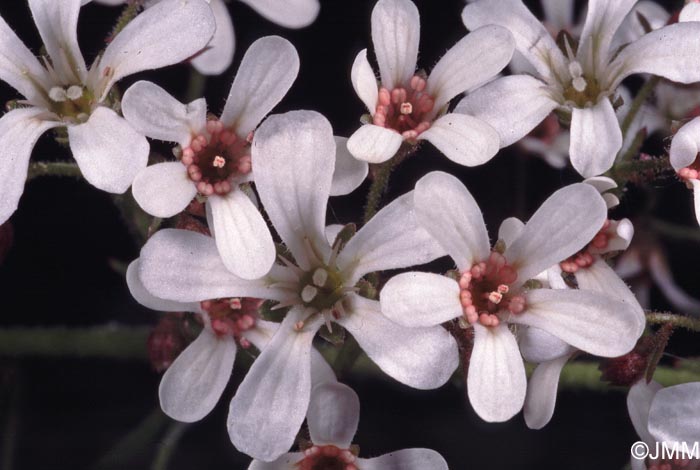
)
(69, 412)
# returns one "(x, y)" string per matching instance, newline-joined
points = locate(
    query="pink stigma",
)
(328, 457)
(215, 158)
(405, 109)
(485, 291)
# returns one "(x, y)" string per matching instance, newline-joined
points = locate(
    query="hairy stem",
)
(678, 321)
(117, 342)
(377, 189)
(637, 103)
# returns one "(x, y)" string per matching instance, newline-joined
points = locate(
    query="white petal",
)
(496, 382)
(559, 14)
(632, 28)
(285, 462)
(192, 385)
(669, 52)
(542, 393)
(334, 411)
(564, 223)
(145, 298)
(685, 145)
(156, 114)
(290, 14)
(639, 401)
(19, 131)
(510, 230)
(538, 346)
(600, 277)
(673, 416)
(19, 67)
(109, 152)
(392, 239)
(165, 34)
(603, 18)
(463, 139)
(242, 237)
(417, 299)
(422, 358)
(595, 138)
(587, 320)
(531, 38)
(332, 232)
(473, 61)
(364, 82)
(267, 71)
(163, 190)
(186, 266)
(58, 26)
(349, 172)
(269, 406)
(690, 12)
(406, 459)
(374, 144)
(395, 34)
(512, 105)
(447, 210)
(601, 183)
(662, 276)
(217, 58)
(298, 143)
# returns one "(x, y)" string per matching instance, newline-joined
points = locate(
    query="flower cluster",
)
(247, 249)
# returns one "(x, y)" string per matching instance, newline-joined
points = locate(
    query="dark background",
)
(68, 413)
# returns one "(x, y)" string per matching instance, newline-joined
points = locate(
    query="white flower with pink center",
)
(581, 80)
(685, 148)
(408, 106)
(194, 382)
(496, 289)
(61, 91)
(319, 283)
(216, 155)
(218, 55)
(668, 415)
(332, 418)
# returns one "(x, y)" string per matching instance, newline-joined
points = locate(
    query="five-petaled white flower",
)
(295, 159)
(63, 92)
(406, 106)
(332, 417)
(666, 415)
(581, 80)
(193, 383)
(218, 55)
(493, 291)
(216, 155)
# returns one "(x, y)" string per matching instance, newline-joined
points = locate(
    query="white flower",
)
(218, 55)
(591, 272)
(63, 92)
(581, 81)
(665, 415)
(193, 384)
(215, 153)
(333, 415)
(406, 105)
(294, 156)
(684, 159)
(493, 291)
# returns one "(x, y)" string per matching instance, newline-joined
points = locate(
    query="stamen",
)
(58, 94)
(308, 293)
(320, 277)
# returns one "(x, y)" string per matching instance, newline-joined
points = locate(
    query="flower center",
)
(213, 159)
(485, 291)
(691, 172)
(321, 289)
(327, 457)
(232, 317)
(584, 258)
(405, 109)
(582, 91)
(72, 104)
